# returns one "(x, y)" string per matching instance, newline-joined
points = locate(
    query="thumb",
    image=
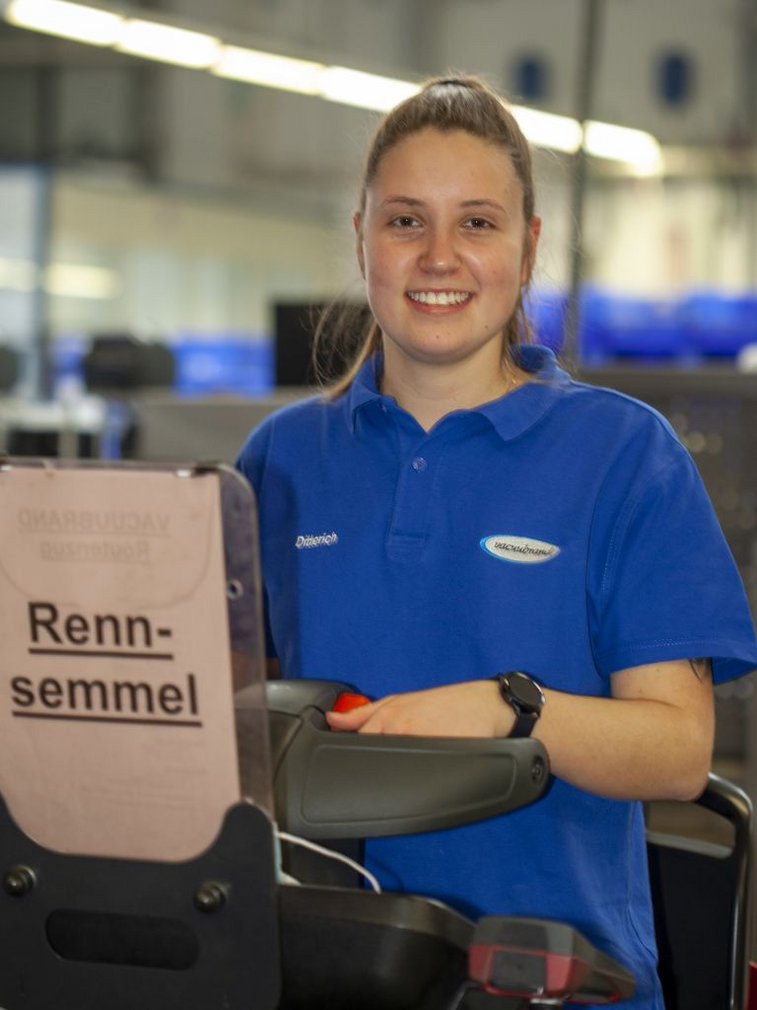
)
(349, 721)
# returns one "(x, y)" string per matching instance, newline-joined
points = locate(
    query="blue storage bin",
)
(719, 325)
(241, 365)
(613, 327)
(66, 360)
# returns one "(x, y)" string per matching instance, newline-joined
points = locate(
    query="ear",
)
(357, 224)
(533, 231)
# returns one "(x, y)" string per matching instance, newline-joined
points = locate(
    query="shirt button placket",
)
(409, 527)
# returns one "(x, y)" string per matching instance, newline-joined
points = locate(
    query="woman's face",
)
(444, 249)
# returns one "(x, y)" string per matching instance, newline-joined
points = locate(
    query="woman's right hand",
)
(470, 709)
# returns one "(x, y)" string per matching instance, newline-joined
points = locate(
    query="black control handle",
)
(347, 785)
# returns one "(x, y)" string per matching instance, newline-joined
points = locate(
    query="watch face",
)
(525, 692)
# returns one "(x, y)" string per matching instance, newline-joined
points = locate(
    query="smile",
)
(440, 297)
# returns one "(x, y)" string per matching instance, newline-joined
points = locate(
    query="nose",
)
(439, 254)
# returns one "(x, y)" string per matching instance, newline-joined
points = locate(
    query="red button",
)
(347, 701)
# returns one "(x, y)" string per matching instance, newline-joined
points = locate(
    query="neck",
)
(429, 393)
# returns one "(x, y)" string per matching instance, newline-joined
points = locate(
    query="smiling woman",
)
(487, 513)
(466, 110)
(445, 256)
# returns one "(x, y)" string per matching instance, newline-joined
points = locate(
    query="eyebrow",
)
(483, 203)
(407, 201)
(410, 201)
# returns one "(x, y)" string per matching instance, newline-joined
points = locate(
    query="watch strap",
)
(525, 720)
(523, 725)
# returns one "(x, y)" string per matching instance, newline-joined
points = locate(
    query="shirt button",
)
(419, 464)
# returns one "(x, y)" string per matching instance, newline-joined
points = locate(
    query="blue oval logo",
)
(520, 550)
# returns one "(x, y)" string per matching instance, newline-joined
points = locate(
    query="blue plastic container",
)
(66, 360)
(619, 327)
(719, 325)
(238, 364)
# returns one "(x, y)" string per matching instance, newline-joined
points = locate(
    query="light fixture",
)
(546, 129)
(78, 280)
(63, 280)
(366, 91)
(69, 20)
(269, 70)
(620, 143)
(156, 41)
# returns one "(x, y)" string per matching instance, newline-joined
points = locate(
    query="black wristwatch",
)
(525, 697)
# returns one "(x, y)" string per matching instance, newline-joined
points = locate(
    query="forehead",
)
(451, 161)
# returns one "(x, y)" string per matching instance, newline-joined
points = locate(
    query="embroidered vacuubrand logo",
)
(305, 540)
(521, 550)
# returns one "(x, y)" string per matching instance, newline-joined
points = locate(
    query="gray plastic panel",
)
(347, 785)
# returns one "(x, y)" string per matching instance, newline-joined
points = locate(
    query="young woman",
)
(458, 507)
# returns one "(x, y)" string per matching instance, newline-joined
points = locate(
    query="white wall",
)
(659, 239)
(187, 263)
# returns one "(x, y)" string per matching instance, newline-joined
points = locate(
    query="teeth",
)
(439, 297)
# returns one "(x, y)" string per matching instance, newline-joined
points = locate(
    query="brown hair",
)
(446, 104)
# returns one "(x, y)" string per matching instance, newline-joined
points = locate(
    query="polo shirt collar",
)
(510, 415)
(364, 389)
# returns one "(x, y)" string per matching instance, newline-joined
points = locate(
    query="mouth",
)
(440, 297)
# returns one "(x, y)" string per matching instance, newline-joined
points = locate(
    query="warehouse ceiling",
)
(685, 71)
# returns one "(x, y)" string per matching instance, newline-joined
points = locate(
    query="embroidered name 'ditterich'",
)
(316, 540)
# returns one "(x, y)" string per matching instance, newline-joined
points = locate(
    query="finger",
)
(348, 721)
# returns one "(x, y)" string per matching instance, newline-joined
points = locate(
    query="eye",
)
(478, 224)
(405, 221)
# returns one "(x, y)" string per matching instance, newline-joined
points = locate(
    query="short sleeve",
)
(665, 584)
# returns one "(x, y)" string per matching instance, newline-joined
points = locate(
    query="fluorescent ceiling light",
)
(69, 280)
(74, 280)
(366, 91)
(619, 143)
(156, 41)
(602, 140)
(69, 20)
(545, 129)
(269, 70)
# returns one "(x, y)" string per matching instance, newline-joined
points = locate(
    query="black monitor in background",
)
(295, 324)
(117, 363)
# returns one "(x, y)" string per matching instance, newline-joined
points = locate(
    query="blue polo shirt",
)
(563, 530)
